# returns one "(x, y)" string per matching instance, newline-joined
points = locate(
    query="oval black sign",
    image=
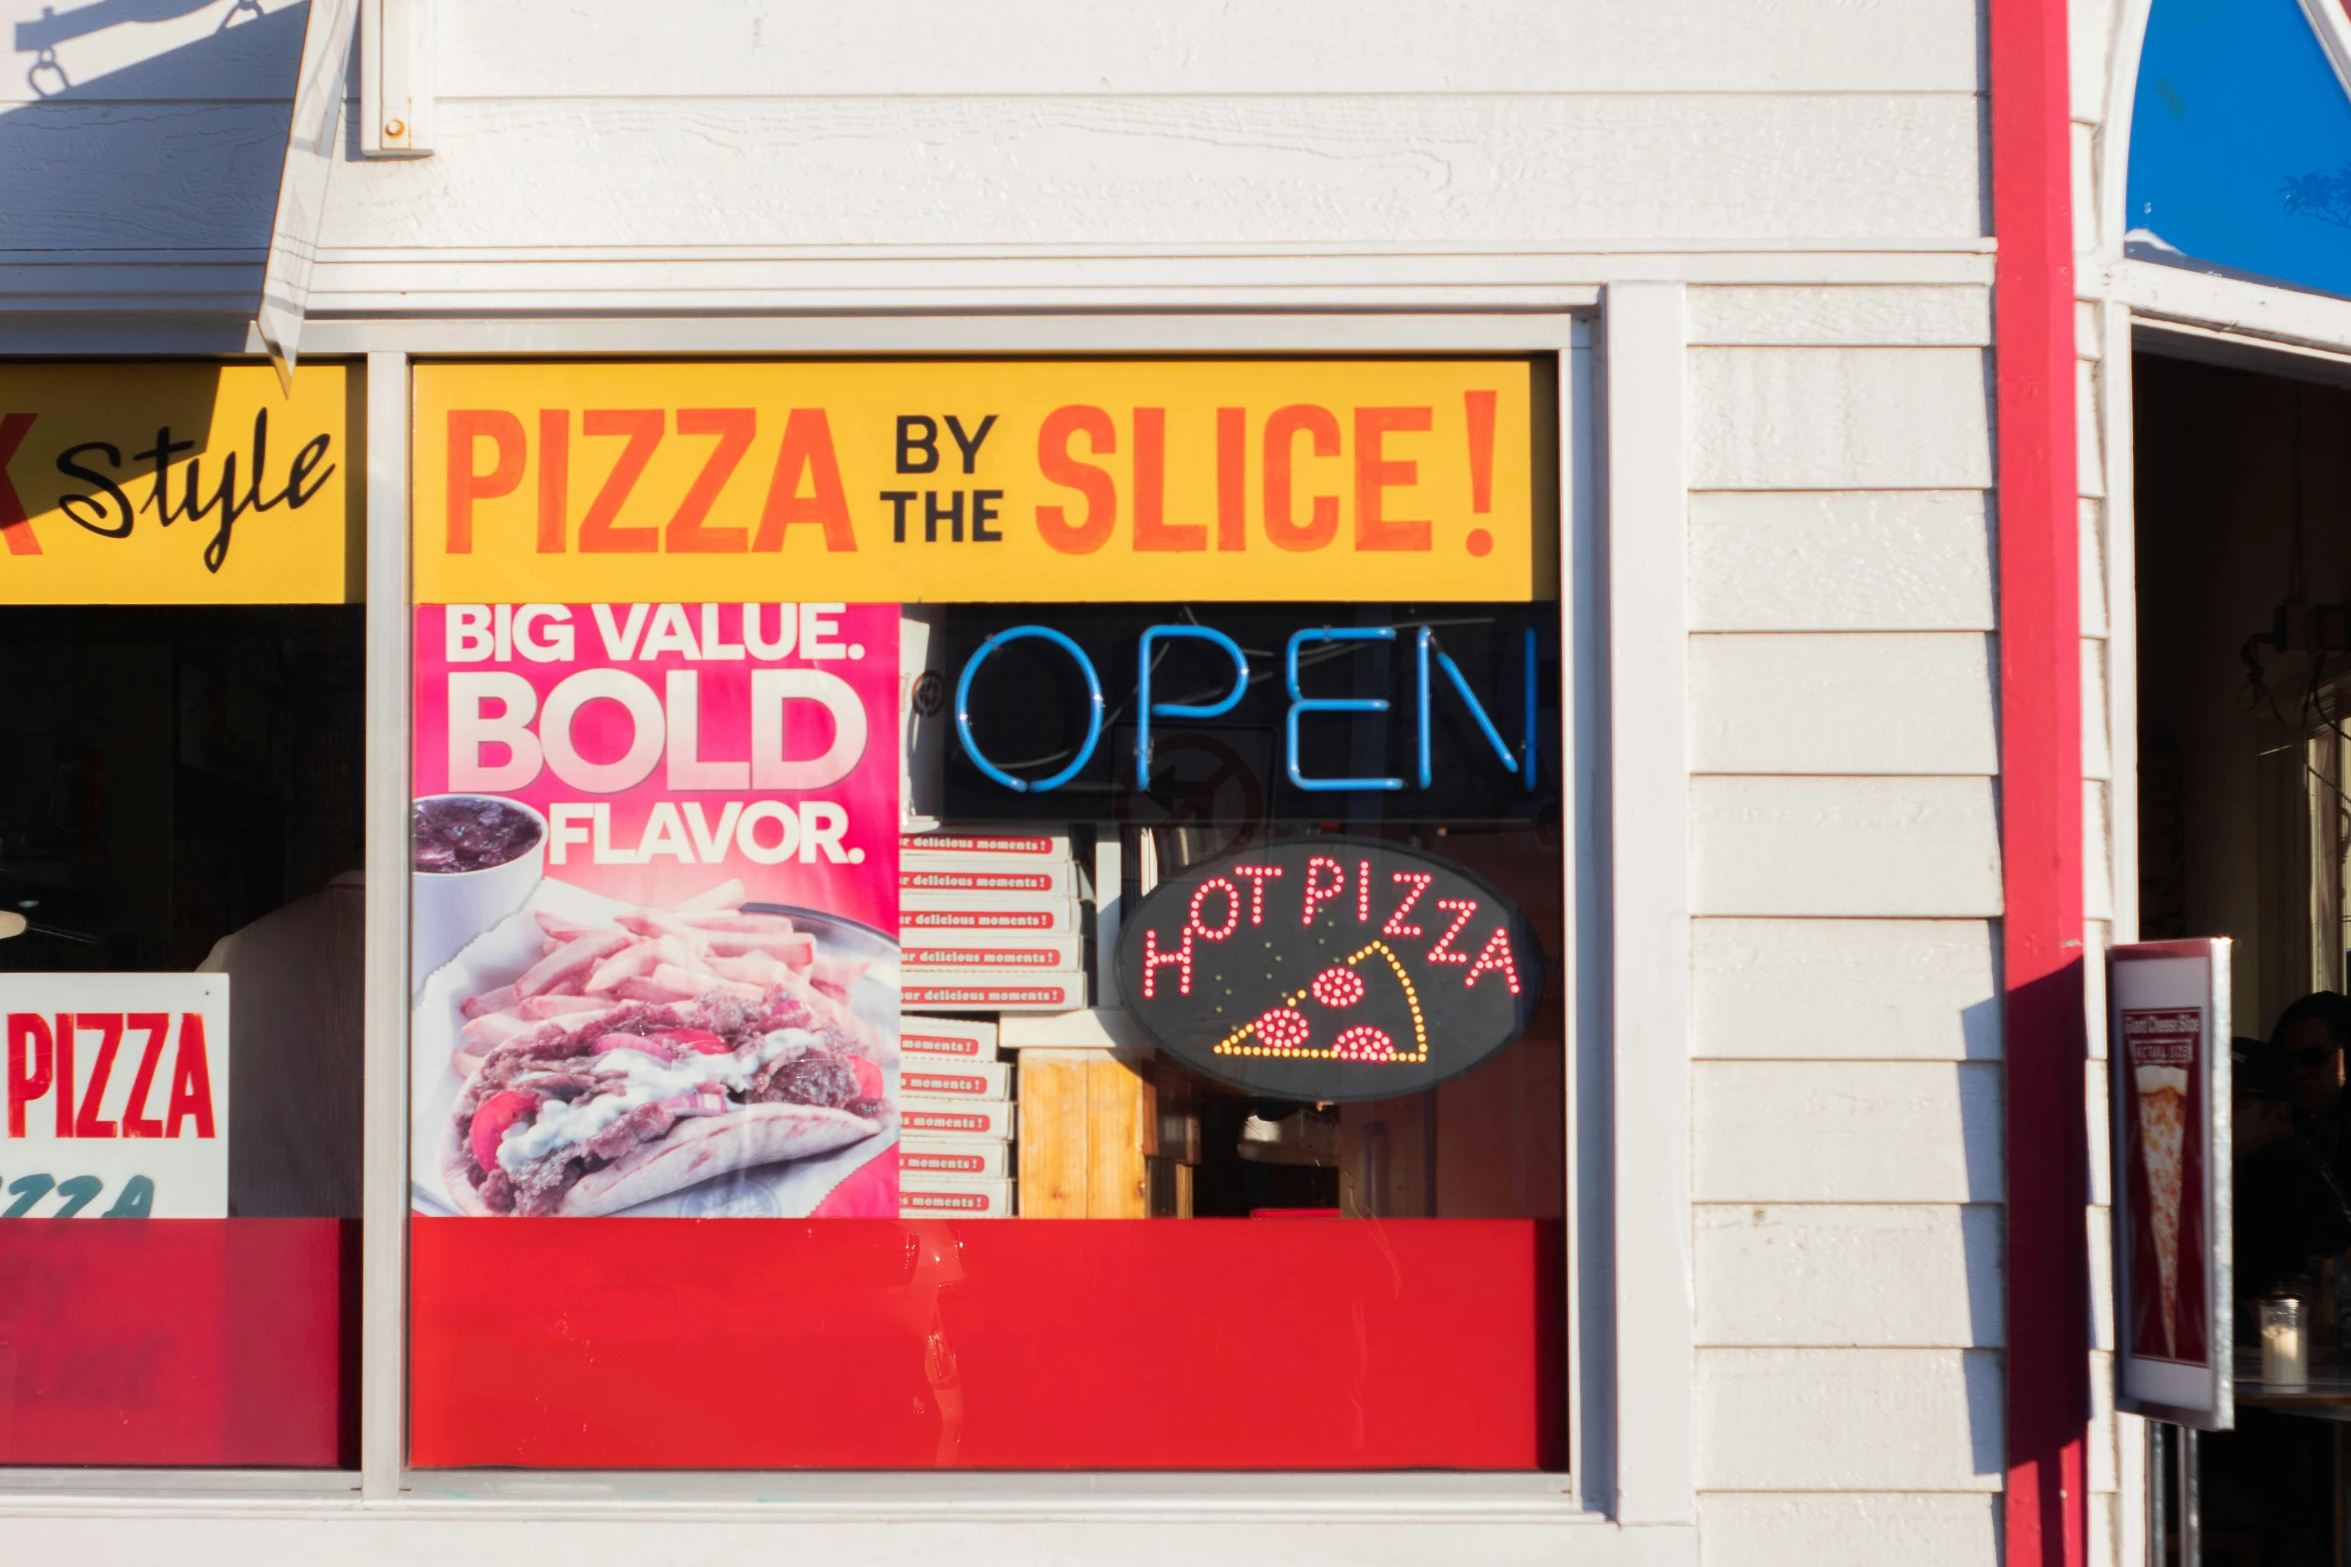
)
(1329, 969)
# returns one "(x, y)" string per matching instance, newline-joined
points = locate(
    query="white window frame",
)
(1630, 1496)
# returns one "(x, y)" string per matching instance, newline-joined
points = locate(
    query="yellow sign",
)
(896, 482)
(175, 484)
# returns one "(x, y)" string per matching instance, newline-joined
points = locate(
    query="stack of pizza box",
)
(955, 1113)
(988, 923)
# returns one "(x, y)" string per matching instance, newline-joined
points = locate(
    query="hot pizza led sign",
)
(1329, 969)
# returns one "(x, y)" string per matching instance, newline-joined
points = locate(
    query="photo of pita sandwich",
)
(640, 1057)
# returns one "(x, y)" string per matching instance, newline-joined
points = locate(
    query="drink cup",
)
(486, 880)
(2285, 1343)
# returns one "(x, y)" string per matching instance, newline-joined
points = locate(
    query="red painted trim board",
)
(2046, 1512)
(1028, 1344)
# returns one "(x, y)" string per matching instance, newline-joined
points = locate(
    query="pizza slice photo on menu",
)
(2158, 1104)
(2163, 1128)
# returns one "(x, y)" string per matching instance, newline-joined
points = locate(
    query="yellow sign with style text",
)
(175, 484)
(906, 482)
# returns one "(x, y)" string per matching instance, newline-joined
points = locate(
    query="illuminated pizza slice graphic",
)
(1329, 969)
(1340, 1016)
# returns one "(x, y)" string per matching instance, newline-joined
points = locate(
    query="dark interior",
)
(172, 774)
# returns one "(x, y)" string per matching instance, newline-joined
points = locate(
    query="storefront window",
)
(1045, 953)
(180, 923)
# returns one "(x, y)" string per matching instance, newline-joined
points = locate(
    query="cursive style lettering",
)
(225, 503)
(161, 454)
(75, 505)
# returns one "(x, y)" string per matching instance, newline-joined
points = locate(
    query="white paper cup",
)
(450, 908)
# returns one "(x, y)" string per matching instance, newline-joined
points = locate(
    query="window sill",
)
(489, 1495)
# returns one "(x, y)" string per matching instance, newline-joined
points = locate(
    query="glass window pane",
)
(696, 938)
(180, 804)
(180, 798)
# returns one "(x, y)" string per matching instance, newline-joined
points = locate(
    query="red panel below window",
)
(1044, 1344)
(176, 1342)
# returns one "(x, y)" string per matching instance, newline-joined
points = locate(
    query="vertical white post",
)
(1649, 985)
(2122, 615)
(383, 1391)
(2122, 815)
(1584, 957)
(396, 78)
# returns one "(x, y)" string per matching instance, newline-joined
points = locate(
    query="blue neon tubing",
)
(963, 710)
(1179, 709)
(1300, 702)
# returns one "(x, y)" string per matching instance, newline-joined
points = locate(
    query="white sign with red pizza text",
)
(2169, 1057)
(117, 1096)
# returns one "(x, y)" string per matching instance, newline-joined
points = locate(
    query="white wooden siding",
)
(1839, 418)
(169, 59)
(1849, 1275)
(1849, 1420)
(2085, 188)
(755, 48)
(2097, 936)
(1814, 989)
(1914, 1529)
(2091, 468)
(2103, 1475)
(2104, 64)
(550, 48)
(168, 177)
(1855, 702)
(2097, 854)
(1845, 846)
(1852, 560)
(1845, 1132)
(2097, 748)
(2101, 1265)
(2101, 1166)
(1853, 317)
(2091, 531)
(1467, 171)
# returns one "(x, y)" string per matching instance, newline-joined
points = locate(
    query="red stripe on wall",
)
(2040, 785)
(1039, 1344)
(178, 1342)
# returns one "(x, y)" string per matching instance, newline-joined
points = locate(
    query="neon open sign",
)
(1448, 712)
(1330, 969)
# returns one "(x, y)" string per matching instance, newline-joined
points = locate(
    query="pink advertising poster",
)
(655, 894)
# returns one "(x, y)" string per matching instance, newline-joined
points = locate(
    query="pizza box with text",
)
(927, 1114)
(983, 917)
(963, 990)
(930, 1198)
(927, 1158)
(1045, 878)
(952, 1038)
(962, 843)
(956, 1080)
(928, 951)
